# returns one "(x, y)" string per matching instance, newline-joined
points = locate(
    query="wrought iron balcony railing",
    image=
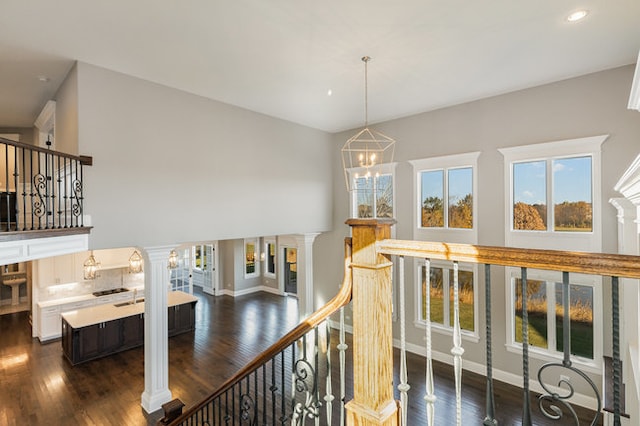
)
(40, 189)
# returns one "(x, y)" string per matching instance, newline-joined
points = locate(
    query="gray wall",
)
(174, 167)
(66, 125)
(586, 106)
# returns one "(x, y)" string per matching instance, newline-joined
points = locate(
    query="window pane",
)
(364, 197)
(580, 318)
(436, 294)
(465, 297)
(530, 196)
(460, 198)
(572, 194)
(250, 261)
(271, 258)
(384, 196)
(432, 187)
(537, 310)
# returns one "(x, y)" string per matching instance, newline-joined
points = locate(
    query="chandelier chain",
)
(366, 59)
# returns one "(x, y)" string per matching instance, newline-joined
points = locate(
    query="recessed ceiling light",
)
(329, 92)
(578, 15)
(43, 78)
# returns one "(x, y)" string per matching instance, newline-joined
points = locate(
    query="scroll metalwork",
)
(38, 203)
(305, 382)
(247, 410)
(554, 404)
(76, 200)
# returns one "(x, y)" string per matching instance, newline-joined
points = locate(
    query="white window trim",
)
(382, 169)
(256, 269)
(472, 336)
(595, 282)
(550, 239)
(265, 252)
(456, 161)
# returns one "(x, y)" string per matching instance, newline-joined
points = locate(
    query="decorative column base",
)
(361, 415)
(153, 402)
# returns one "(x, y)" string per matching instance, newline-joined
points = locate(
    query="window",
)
(373, 197)
(441, 291)
(569, 202)
(545, 314)
(269, 258)
(445, 194)
(457, 212)
(553, 200)
(251, 258)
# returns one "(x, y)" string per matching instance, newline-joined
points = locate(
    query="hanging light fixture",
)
(173, 260)
(91, 267)
(135, 262)
(365, 153)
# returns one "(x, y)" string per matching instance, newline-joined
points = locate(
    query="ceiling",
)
(281, 57)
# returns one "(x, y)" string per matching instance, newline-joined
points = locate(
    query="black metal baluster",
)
(67, 165)
(7, 197)
(47, 179)
(264, 393)
(617, 367)
(273, 389)
(489, 420)
(566, 321)
(316, 373)
(81, 195)
(59, 194)
(16, 186)
(283, 417)
(32, 178)
(24, 189)
(526, 408)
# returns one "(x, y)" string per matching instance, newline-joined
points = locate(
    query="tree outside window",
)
(457, 184)
(569, 201)
(374, 196)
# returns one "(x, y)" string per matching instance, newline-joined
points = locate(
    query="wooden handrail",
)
(604, 264)
(339, 300)
(83, 159)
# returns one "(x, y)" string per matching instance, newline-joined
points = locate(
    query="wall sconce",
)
(173, 260)
(91, 267)
(135, 263)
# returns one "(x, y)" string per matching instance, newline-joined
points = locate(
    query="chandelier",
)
(135, 263)
(365, 153)
(91, 267)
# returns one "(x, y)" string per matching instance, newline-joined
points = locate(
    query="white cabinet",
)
(49, 327)
(50, 321)
(59, 270)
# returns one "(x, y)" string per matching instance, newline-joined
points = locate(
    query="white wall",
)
(586, 106)
(171, 167)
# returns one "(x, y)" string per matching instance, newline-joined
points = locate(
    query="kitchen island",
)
(103, 330)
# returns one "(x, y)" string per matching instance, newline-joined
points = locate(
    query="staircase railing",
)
(40, 189)
(554, 403)
(282, 385)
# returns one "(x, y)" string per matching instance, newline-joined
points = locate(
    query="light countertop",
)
(108, 312)
(83, 297)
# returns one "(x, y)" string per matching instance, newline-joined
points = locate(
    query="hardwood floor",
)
(39, 387)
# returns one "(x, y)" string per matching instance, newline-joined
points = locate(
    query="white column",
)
(156, 340)
(306, 304)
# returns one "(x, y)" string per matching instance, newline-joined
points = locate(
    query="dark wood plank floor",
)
(39, 387)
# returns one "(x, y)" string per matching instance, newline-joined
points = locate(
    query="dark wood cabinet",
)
(132, 331)
(182, 318)
(105, 338)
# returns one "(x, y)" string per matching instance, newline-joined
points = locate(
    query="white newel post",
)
(305, 274)
(156, 340)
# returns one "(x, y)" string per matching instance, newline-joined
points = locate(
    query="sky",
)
(460, 183)
(571, 180)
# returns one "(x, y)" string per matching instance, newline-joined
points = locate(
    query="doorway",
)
(290, 270)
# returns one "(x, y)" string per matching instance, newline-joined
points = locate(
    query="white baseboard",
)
(264, 288)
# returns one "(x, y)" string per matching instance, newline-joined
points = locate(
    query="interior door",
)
(291, 270)
(208, 270)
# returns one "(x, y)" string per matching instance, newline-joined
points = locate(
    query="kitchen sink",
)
(110, 291)
(130, 302)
